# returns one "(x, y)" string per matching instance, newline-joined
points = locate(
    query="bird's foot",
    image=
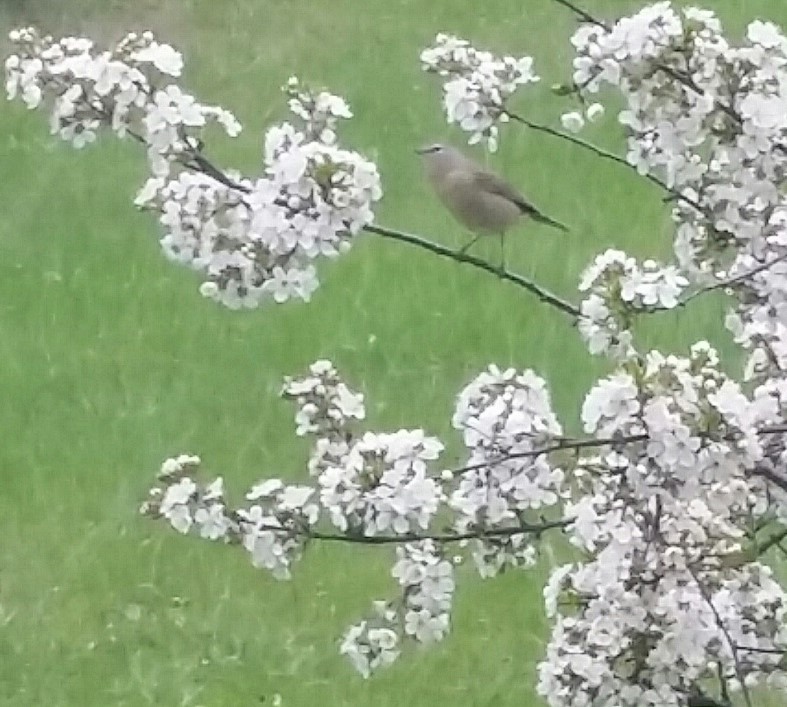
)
(467, 246)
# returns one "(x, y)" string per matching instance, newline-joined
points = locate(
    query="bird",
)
(480, 200)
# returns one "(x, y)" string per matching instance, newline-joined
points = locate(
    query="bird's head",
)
(434, 149)
(439, 157)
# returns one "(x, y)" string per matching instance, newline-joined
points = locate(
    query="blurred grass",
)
(112, 361)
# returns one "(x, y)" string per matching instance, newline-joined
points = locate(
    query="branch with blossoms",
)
(380, 489)
(383, 489)
(253, 240)
(678, 488)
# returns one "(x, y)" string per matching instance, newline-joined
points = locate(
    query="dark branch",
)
(199, 163)
(582, 15)
(733, 281)
(564, 444)
(525, 528)
(771, 476)
(701, 700)
(772, 541)
(607, 155)
(720, 623)
(543, 294)
(768, 651)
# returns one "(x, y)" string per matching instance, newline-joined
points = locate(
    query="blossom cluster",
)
(326, 406)
(319, 111)
(504, 416)
(372, 483)
(253, 240)
(574, 121)
(618, 288)
(381, 485)
(759, 323)
(635, 645)
(369, 646)
(273, 529)
(423, 614)
(127, 89)
(427, 582)
(664, 515)
(706, 117)
(477, 84)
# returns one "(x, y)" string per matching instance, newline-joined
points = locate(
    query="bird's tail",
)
(538, 216)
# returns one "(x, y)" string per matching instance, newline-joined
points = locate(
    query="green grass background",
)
(111, 361)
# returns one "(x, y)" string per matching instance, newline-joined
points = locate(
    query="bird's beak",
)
(421, 150)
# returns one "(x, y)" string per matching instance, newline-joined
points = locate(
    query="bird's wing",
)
(493, 184)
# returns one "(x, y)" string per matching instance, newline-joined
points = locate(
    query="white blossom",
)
(477, 84)
(253, 241)
(572, 121)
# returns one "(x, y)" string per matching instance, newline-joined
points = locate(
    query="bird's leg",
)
(502, 252)
(467, 246)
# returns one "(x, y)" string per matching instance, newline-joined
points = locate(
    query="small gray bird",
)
(480, 200)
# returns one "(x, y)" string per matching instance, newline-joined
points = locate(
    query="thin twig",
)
(771, 476)
(720, 623)
(525, 528)
(593, 442)
(564, 444)
(772, 541)
(731, 282)
(757, 649)
(724, 687)
(582, 15)
(607, 155)
(194, 159)
(542, 293)
(202, 164)
(560, 134)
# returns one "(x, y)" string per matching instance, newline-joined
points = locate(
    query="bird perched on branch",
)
(480, 200)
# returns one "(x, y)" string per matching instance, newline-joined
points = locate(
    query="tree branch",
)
(607, 155)
(582, 15)
(525, 528)
(540, 292)
(772, 541)
(593, 442)
(720, 623)
(564, 444)
(731, 282)
(767, 651)
(770, 475)
(200, 163)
